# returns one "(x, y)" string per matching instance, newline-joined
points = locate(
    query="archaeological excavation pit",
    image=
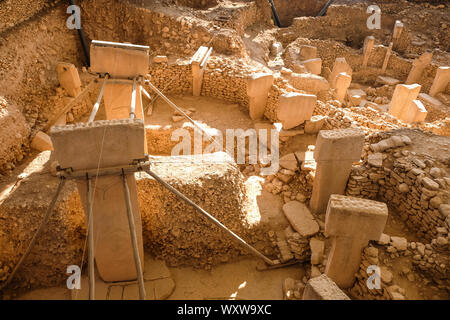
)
(195, 150)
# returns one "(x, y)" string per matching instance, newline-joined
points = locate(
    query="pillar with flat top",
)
(403, 95)
(418, 66)
(104, 144)
(415, 112)
(440, 81)
(258, 86)
(334, 153)
(340, 65)
(314, 65)
(295, 108)
(342, 83)
(386, 57)
(198, 63)
(369, 41)
(397, 32)
(351, 222)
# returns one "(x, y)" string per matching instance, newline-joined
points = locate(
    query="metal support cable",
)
(97, 103)
(90, 239)
(134, 242)
(133, 100)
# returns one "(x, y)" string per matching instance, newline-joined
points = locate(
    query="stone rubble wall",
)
(329, 50)
(408, 186)
(177, 233)
(13, 12)
(164, 32)
(13, 136)
(360, 290)
(224, 78)
(240, 18)
(61, 242)
(425, 263)
(172, 229)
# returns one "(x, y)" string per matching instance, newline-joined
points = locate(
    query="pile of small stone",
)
(365, 288)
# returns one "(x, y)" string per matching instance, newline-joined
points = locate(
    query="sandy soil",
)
(245, 283)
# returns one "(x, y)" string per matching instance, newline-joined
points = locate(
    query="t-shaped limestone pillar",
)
(314, 66)
(386, 57)
(335, 152)
(402, 97)
(440, 81)
(369, 41)
(415, 112)
(198, 64)
(418, 66)
(396, 33)
(102, 144)
(342, 83)
(352, 222)
(340, 65)
(295, 108)
(258, 86)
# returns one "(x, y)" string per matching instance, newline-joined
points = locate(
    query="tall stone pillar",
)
(369, 41)
(386, 58)
(352, 222)
(335, 152)
(340, 65)
(397, 32)
(103, 144)
(415, 112)
(258, 86)
(295, 108)
(198, 64)
(440, 81)
(418, 67)
(342, 83)
(403, 95)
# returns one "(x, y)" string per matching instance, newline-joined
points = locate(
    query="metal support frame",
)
(275, 14)
(137, 259)
(133, 100)
(91, 253)
(144, 165)
(122, 171)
